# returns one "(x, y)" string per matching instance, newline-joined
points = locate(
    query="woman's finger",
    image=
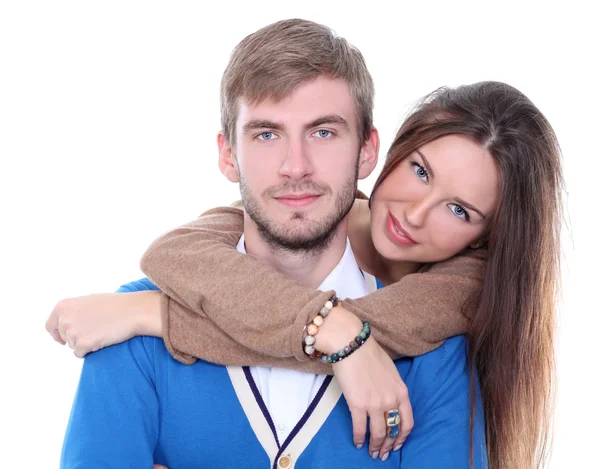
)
(359, 426)
(407, 421)
(62, 334)
(389, 439)
(387, 443)
(81, 350)
(52, 328)
(69, 340)
(52, 325)
(377, 434)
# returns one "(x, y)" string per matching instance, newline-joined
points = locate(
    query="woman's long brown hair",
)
(511, 337)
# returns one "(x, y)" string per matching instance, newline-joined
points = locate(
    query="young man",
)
(296, 144)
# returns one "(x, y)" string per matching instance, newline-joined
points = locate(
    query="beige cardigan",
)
(228, 308)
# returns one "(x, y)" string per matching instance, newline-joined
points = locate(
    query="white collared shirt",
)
(288, 393)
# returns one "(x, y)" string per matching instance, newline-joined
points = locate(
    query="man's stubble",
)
(306, 236)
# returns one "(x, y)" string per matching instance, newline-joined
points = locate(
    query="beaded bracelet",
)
(348, 350)
(312, 328)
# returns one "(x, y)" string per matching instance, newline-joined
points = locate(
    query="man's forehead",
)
(307, 103)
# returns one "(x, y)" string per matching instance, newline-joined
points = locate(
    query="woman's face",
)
(436, 202)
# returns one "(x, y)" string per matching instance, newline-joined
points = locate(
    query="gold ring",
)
(392, 417)
(392, 420)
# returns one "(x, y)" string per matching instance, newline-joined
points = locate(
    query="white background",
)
(108, 120)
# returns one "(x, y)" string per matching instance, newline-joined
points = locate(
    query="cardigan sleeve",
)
(214, 296)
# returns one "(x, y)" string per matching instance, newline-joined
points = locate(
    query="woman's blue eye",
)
(459, 211)
(420, 172)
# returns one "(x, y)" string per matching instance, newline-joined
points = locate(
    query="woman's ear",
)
(478, 244)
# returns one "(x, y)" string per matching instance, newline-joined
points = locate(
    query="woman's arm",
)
(425, 308)
(203, 277)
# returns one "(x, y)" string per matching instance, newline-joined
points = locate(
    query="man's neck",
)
(307, 268)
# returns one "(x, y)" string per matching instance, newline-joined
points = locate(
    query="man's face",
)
(298, 161)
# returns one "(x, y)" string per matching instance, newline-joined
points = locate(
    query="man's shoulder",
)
(140, 349)
(150, 356)
(454, 346)
(453, 351)
(142, 284)
(447, 363)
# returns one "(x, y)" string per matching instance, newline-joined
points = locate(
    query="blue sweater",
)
(136, 406)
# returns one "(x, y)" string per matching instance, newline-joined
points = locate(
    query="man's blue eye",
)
(266, 136)
(323, 133)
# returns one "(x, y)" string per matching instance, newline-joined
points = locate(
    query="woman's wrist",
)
(369, 348)
(340, 328)
(146, 313)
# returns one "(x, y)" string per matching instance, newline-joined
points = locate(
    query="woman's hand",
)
(89, 323)
(372, 386)
(370, 382)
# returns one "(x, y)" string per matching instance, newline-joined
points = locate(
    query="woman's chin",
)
(391, 252)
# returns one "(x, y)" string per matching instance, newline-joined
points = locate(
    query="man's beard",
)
(311, 236)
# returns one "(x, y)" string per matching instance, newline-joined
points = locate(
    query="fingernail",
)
(375, 454)
(359, 446)
(397, 447)
(385, 456)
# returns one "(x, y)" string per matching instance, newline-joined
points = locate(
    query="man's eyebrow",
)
(330, 119)
(261, 124)
(256, 124)
(460, 201)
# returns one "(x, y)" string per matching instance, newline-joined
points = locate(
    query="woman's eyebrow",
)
(459, 200)
(426, 163)
(472, 207)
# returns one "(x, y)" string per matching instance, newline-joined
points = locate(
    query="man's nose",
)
(296, 164)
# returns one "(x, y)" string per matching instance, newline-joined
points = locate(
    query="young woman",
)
(463, 229)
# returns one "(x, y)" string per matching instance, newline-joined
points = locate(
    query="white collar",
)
(346, 278)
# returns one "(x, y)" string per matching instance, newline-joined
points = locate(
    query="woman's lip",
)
(394, 227)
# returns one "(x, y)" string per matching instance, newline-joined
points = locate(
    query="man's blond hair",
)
(272, 62)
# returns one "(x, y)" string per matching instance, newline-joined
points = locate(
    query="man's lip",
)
(297, 200)
(296, 196)
(400, 228)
